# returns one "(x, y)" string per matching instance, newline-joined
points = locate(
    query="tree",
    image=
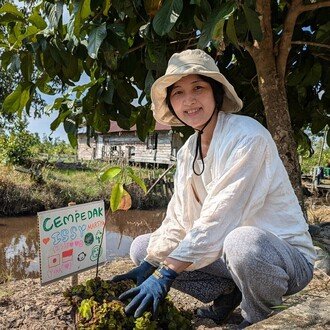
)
(275, 52)
(17, 146)
(9, 79)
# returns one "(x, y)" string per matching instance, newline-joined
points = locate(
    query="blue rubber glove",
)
(138, 274)
(150, 293)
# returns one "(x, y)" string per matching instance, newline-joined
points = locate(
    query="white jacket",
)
(246, 185)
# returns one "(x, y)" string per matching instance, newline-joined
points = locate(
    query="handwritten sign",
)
(70, 240)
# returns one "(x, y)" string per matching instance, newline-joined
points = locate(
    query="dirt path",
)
(26, 305)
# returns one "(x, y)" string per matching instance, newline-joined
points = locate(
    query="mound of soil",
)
(25, 304)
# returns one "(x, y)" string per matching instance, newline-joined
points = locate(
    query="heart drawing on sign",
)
(46, 240)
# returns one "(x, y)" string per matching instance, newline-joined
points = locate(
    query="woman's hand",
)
(138, 274)
(150, 293)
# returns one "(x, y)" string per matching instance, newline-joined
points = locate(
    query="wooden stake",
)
(74, 277)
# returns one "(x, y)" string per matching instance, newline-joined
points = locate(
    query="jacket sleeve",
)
(238, 192)
(167, 237)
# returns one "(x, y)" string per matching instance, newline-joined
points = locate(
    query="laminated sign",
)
(70, 240)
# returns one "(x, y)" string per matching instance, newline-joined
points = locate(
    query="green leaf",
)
(318, 123)
(54, 12)
(6, 59)
(16, 101)
(26, 66)
(37, 20)
(296, 76)
(73, 139)
(85, 9)
(61, 117)
(30, 31)
(81, 12)
(106, 7)
(223, 13)
(101, 118)
(11, 9)
(70, 126)
(231, 31)
(125, 90)
(95, 39)
(110, 173)
(148, 82)
(144, 123)
(253, 22)
(42, 85)
(167, 16)
(71, 69)
(15, 64)
(138, 181)
(9, 18)
(117, 194)
(107, 94)
(313, 75)
(217, 34)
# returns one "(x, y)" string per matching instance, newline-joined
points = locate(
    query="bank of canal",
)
(19, 240)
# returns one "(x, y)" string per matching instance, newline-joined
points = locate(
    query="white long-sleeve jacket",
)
(245, 184)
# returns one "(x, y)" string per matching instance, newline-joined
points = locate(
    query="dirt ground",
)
(25, 304)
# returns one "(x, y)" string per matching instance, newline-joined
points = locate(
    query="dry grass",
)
(317, 210)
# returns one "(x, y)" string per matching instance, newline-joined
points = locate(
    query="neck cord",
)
(198, 149)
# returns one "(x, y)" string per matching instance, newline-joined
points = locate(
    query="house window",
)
(152, 141)
(131, 151)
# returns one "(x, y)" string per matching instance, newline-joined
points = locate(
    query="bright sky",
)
(42, 125)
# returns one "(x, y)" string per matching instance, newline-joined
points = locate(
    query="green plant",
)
(99, 308)
(17, 145)
(120, 198)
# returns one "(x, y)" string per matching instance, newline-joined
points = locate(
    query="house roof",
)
(114, 128)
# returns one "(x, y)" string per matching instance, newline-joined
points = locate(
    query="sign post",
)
(70, 240)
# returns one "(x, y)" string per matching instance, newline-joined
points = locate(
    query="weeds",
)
(21, 195)
(5, 276)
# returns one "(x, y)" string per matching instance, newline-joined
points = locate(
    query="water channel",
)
(19, 239)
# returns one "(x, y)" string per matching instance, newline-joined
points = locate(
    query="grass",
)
(20, 194)
(5, 276)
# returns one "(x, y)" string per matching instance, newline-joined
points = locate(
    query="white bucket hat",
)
(191, 61)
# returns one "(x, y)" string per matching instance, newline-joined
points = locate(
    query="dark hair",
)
(217, 89)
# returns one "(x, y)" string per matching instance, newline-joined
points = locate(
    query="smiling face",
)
(193, 101)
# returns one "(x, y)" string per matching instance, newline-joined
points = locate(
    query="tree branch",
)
(295, 9)
(313, 6)
(310, 43)
(285, 42)
(131, 50)
(265, 46)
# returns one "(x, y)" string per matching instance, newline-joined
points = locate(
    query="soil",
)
(25, 304)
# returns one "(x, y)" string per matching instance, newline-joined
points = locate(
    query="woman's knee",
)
(138, 249)
(243, 244)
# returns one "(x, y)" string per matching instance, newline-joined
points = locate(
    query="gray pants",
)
(264, 267)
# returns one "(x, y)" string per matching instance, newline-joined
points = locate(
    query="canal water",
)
(19, 239)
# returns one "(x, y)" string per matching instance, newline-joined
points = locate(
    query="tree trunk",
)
(274, 98)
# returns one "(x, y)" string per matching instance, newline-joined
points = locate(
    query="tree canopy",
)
(119, 47)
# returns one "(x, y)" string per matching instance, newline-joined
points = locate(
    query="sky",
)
(42, 125)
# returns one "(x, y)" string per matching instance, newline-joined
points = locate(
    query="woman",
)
(234, 232)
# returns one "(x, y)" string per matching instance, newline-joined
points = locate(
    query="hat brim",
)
(231, 102)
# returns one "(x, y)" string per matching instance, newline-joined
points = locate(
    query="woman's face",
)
(192, 100)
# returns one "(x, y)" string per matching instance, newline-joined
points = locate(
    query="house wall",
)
(99, 147)
(161, 155)
(126, 145)
(84, 151)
